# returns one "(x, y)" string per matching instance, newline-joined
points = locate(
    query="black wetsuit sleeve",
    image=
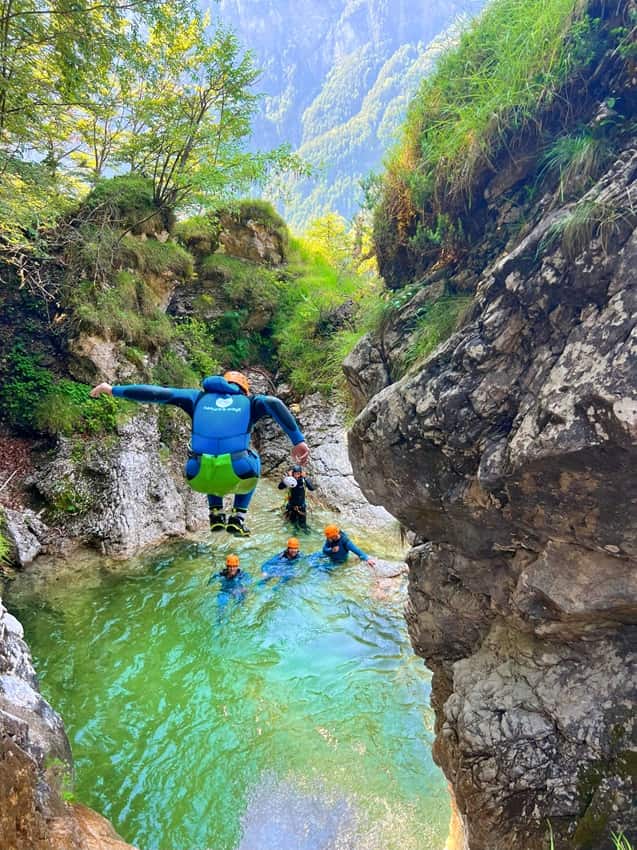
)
(150, 393)
(309, 484)
(268, 405)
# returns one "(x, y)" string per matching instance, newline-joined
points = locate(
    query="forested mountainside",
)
(337, 78)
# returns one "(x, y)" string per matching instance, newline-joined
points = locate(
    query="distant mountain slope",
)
(337, 75)
(345, 152)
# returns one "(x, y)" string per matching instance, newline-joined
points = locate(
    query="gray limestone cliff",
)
(119, 494)
(36, 763)
(511, 453)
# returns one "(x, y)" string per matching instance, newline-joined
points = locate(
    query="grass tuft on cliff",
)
(509, 65)
(436, 324)
(503, 93)
(577, 160)
(149, 256)
(199, 234)
(618, 839)
(127, 310)
(5, 550)
(128, 202)
(589, 219)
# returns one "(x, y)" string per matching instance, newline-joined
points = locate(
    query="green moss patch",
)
(126, 310)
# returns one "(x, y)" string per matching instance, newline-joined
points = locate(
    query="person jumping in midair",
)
(221, 460)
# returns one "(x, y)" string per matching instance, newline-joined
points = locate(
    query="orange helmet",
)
(239, 379)
(232, 561)
(332, 531)
(293, 543)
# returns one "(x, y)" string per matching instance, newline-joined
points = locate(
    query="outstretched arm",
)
(150, 393)
(354, 548)
(101, 389)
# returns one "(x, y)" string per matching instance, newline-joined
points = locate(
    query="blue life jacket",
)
(221, 419)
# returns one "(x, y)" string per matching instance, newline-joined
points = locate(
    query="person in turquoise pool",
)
(337, 547)
(233, 582)
(284, 564)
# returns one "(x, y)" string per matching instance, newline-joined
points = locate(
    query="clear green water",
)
(296, 719)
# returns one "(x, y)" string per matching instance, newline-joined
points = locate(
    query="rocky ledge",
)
(511, 454)
(119, 494)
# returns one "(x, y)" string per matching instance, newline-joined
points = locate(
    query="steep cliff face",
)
(125, 493)
(511, 454)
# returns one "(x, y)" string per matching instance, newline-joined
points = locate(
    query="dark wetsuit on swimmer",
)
(295, 507)
(344, 546)
(231, 587)
(282, 566)
(221, 460)
(230, 583)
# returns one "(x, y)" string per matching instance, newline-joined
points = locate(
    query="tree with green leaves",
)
(51, 54)
(201, 87)
(121, 87)
(346, 247)
(101, 124)
(329, 236)
(48, 52)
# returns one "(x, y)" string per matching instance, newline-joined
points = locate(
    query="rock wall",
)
(511, 454)
(119, 494)
(36, 764)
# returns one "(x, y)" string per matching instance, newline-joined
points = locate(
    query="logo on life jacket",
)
(224, 402)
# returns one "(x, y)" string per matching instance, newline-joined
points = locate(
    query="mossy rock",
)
(199, 234)
(253, 230)
(130, 199)
(601, 787)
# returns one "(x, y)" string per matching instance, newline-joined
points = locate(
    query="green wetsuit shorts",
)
(216, 475)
